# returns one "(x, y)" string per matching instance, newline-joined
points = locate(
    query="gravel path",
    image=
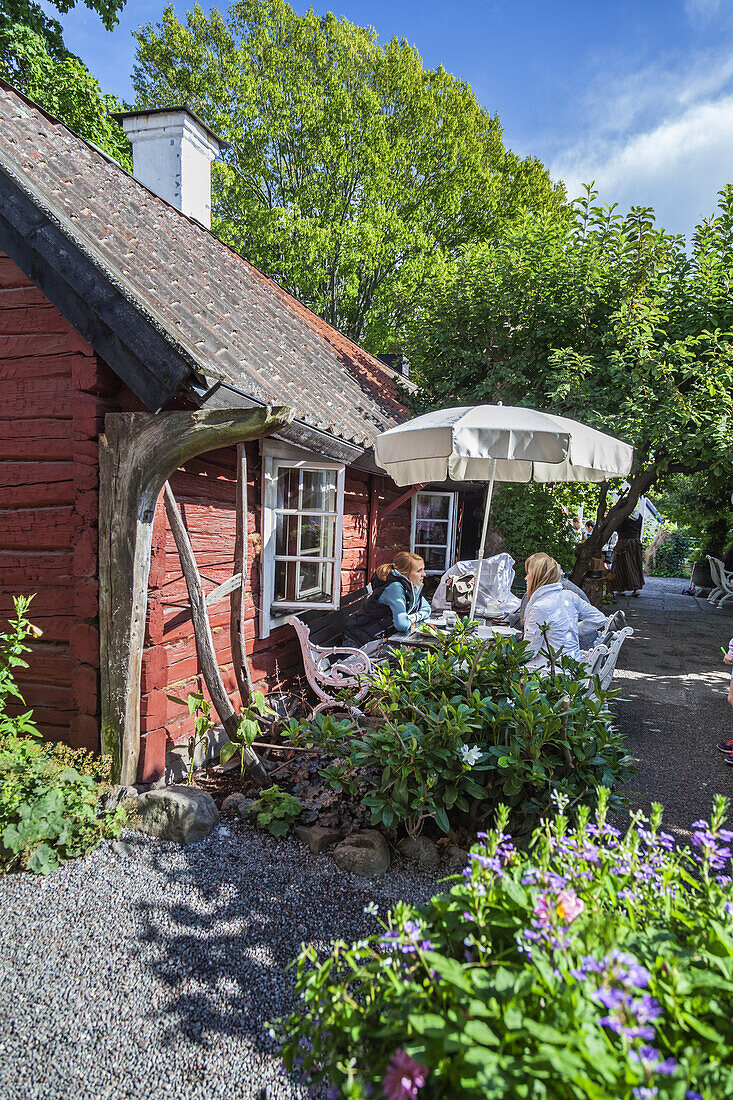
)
(674, 686)
(152, 975)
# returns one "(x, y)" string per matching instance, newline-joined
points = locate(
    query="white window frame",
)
(450, 524)
(280, 457)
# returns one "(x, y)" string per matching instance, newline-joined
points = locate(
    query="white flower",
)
(559, 798)
(470, 756)
(371, 909)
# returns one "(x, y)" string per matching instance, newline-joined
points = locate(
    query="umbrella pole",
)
(482, 547)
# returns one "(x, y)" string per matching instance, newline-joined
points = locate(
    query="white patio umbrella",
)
(498, 443)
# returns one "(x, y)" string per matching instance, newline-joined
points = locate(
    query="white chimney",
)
(172, 151)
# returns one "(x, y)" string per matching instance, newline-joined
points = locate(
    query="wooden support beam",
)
(236, 606)
(203, 637)
(375, 482)
(386, 511)
(137, 454)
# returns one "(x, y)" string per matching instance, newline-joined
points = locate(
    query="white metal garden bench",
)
(722, 591)
(331, 669)
(601, 661)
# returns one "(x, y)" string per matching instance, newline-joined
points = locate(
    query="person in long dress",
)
(554, 615)
(628, 557)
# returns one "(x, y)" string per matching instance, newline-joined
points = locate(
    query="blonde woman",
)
(564, 613)
(396, 604)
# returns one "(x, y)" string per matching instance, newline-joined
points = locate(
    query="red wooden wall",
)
(56, 393)
(205, 491)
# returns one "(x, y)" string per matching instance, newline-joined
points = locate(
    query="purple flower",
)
(645, 1092)
(404, 1077)
(651, 1061)
(609, 998)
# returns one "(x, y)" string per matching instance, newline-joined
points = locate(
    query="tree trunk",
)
(608, 522)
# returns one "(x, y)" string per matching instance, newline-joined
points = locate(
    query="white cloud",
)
(660, 137)
(702, 10)
(677, 167)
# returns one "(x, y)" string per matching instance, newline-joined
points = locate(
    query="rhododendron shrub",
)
(594, 965)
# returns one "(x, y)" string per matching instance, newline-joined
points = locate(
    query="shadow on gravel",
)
(221, 937)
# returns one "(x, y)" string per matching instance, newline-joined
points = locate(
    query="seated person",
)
(564, 612)
(396, 604)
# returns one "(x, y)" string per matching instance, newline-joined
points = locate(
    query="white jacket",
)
(563, 612)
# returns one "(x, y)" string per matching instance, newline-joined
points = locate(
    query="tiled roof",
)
(219, 311)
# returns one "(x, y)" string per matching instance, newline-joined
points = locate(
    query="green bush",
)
(461, 728)
(277, 810)
(48, 813)
(594, 965)
(48, 810)
(531, 518)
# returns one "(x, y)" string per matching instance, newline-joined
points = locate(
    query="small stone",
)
(247, 809)
(457, 857)
(122, 848)
(115, 796)
(317, 837)
(182, 814)
(420, 849)
(363, 853)
(233, 802)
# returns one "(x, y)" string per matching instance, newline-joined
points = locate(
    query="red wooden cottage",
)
(136, 347)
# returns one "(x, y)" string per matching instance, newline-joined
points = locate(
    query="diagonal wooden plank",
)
(222, 591)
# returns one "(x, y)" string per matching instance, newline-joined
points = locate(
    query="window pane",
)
(309, 582)
(319, 490)
(432, 506)
(317, 535)
(286, 534)
(431, 532)
(434, 558)
(288, 480)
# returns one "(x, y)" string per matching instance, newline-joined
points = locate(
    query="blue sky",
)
(636, 95)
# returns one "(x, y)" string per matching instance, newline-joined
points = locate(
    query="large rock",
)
(421, 849)
(317, 837)
(364, 853)
(183, 814)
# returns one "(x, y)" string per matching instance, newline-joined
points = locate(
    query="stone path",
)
(674, 691)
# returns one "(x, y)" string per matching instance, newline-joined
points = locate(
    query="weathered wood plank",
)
(238, 600)
(223, 590)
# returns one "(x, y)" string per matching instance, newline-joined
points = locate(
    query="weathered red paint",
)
(56, 393)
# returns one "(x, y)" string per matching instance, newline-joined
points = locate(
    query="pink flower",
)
(569, 905)
(542, 909)
(566, 907)
(404, 1077)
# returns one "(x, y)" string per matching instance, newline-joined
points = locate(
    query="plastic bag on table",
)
(494, 596)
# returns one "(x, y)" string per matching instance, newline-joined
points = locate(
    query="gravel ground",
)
(153, 974)
(673, 706)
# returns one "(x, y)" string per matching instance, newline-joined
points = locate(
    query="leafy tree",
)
(351, 167)
(601, 318)
(34, 59)
(702, 505)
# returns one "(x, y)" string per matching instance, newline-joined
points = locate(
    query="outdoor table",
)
(419, 640)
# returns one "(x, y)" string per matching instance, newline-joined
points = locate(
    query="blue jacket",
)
(395, 597)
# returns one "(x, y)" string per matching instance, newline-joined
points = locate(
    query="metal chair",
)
(327, 676)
